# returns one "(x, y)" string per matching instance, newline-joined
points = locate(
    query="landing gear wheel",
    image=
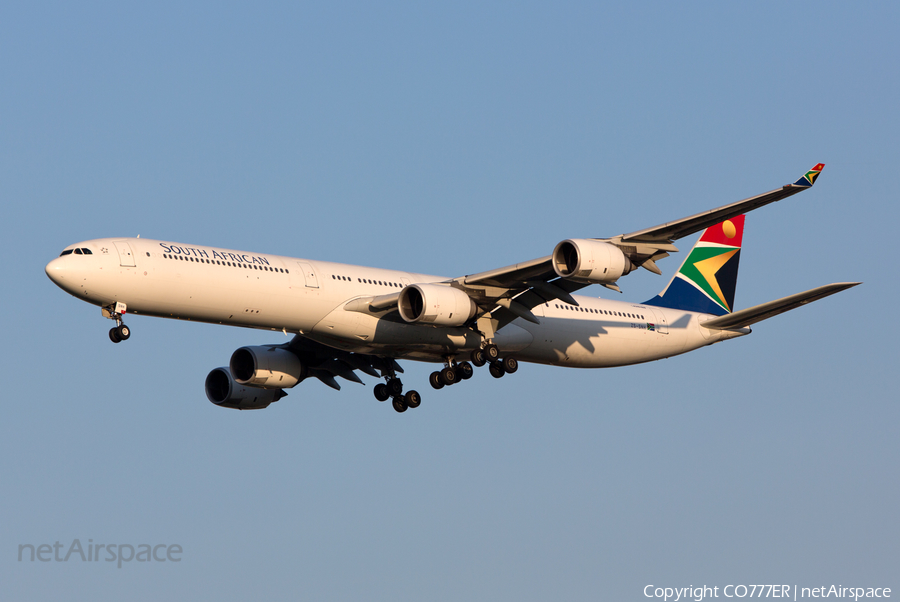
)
(436, 381)
(114, 335)
(478, 358)
(448, 376)
(399, 404)
(123, 332)
(510, 364)
(491, 352)
(496, 369)
(381, 392)
(465, 370)
(394, 387)
(412, 399)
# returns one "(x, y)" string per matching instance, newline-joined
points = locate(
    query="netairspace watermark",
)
(118, 553)
(764, 591)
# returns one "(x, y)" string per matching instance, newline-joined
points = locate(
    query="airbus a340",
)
(346, 318)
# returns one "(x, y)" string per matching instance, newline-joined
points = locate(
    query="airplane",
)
(346, 318)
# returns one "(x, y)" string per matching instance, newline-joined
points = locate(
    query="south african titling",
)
(214, 254)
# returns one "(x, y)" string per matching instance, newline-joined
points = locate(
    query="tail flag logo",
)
(707, 279)
(705, 268)
(702, 273)
(810, 177)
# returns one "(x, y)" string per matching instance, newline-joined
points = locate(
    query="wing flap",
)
(758, 313)
(536, 269)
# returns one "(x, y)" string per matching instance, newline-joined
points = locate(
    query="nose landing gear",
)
(120, 332)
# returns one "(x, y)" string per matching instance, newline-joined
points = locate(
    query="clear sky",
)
(451, 138)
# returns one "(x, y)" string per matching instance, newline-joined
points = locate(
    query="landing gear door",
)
(661, 326)
(126, 257)
(309, 274)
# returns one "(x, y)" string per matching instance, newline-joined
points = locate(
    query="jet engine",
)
(590, 261)
(267, 367)
(435, 304)
(224, 392)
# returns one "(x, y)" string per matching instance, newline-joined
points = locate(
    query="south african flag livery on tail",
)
(707, 279)
(810, 177)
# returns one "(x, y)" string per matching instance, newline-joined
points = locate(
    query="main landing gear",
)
(393, 388)
(119, 332)
(507, 365)
(452, 373)
(489, 354)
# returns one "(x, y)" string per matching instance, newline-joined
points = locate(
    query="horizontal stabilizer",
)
(758, 313)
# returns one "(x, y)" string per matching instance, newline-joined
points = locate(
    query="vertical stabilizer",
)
(707, 279)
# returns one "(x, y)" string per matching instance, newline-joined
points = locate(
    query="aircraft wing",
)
(644, 247)
(504, 294)
(671, 231)
(325, 363)
(519, 287)
(758, 313)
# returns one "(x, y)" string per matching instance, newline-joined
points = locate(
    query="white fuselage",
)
(207, 284)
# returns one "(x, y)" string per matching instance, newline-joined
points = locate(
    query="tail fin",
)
(707, 279)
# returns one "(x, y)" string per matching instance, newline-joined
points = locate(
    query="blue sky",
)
(451, 139)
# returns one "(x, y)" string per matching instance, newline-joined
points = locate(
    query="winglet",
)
(810, 177)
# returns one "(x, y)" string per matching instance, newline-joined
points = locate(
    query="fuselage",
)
(315, 299)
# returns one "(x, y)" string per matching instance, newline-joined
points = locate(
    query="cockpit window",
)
(66, 252)
(78, 251)
(86, 251)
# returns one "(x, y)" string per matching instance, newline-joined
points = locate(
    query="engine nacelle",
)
(266, 367)
(224, 392)
(590, 261)
(435, 304)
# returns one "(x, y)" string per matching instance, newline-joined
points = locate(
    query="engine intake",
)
(222, 390)
(590, 261)
(267, 367)
(435, 304)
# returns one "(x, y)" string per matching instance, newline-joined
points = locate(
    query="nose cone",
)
(56, 270)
